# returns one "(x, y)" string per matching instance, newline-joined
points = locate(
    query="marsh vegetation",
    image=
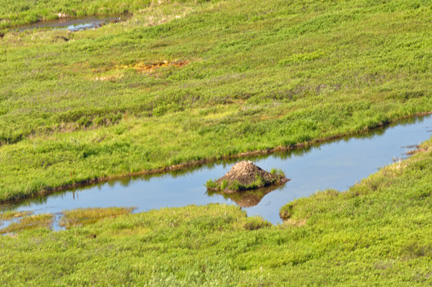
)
(254, 76)
(377, 231)
(259, 76)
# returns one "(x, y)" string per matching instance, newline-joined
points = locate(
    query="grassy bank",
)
(181, 82)
(15, 13)
(378, 233)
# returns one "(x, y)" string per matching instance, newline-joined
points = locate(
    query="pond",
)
(338, 164)
(74, 25)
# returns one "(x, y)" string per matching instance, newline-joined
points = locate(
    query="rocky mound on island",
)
(245, 175)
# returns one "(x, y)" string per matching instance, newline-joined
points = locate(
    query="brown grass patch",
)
(84, 216)
(115, 73)
(30, 222)
(151, 67)
(8, 215)
(294, 222)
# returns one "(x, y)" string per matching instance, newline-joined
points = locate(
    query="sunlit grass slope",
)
(378, 233)
(14, 13)
(180, 82)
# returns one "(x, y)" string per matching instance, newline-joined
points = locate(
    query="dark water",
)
(73, 25)
(338, 164)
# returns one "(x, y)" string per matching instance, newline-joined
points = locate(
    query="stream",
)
(74, 25)
(337, 164)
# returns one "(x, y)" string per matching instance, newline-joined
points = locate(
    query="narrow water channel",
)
(337, 164)
(74, 25)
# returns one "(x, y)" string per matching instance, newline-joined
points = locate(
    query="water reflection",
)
(337, 164)
(74, 25)
(247, 198)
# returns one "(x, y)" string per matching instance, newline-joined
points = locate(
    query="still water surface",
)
(73, 25)
(338, 165)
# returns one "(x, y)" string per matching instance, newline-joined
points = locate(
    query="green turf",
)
(15, 13)
(256, 75)
(188, 80)
(378, 233)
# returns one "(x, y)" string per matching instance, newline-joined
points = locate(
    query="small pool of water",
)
(337, 164)
(74, 25)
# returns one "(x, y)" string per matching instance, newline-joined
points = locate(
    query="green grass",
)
(8, 215)
(257, 183)
(14, 13)
(259, 75)
(29, 222)
(236, 185)
(78, 217)
(377, 233)
(277, 171)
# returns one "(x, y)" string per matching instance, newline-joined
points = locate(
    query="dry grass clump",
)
(30, 222)
(79, 217)
(8, 215)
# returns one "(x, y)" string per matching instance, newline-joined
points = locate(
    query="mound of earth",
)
(245, 175)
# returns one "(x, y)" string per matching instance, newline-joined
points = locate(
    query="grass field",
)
(183, 81)
(378, 233)
(15, 13)
(186, 81)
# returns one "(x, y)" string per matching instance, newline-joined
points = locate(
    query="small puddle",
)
(74, 25)
(338, 164)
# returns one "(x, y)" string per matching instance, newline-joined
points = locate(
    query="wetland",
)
(337, 165)
(113, 115)
(74, 25)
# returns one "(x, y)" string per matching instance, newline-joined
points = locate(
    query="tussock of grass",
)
(80, 217)
(8, 215)
(255, 223)
(287, 211)
(237, 186)
(277, 171)
(30, 222)
(257, 183)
